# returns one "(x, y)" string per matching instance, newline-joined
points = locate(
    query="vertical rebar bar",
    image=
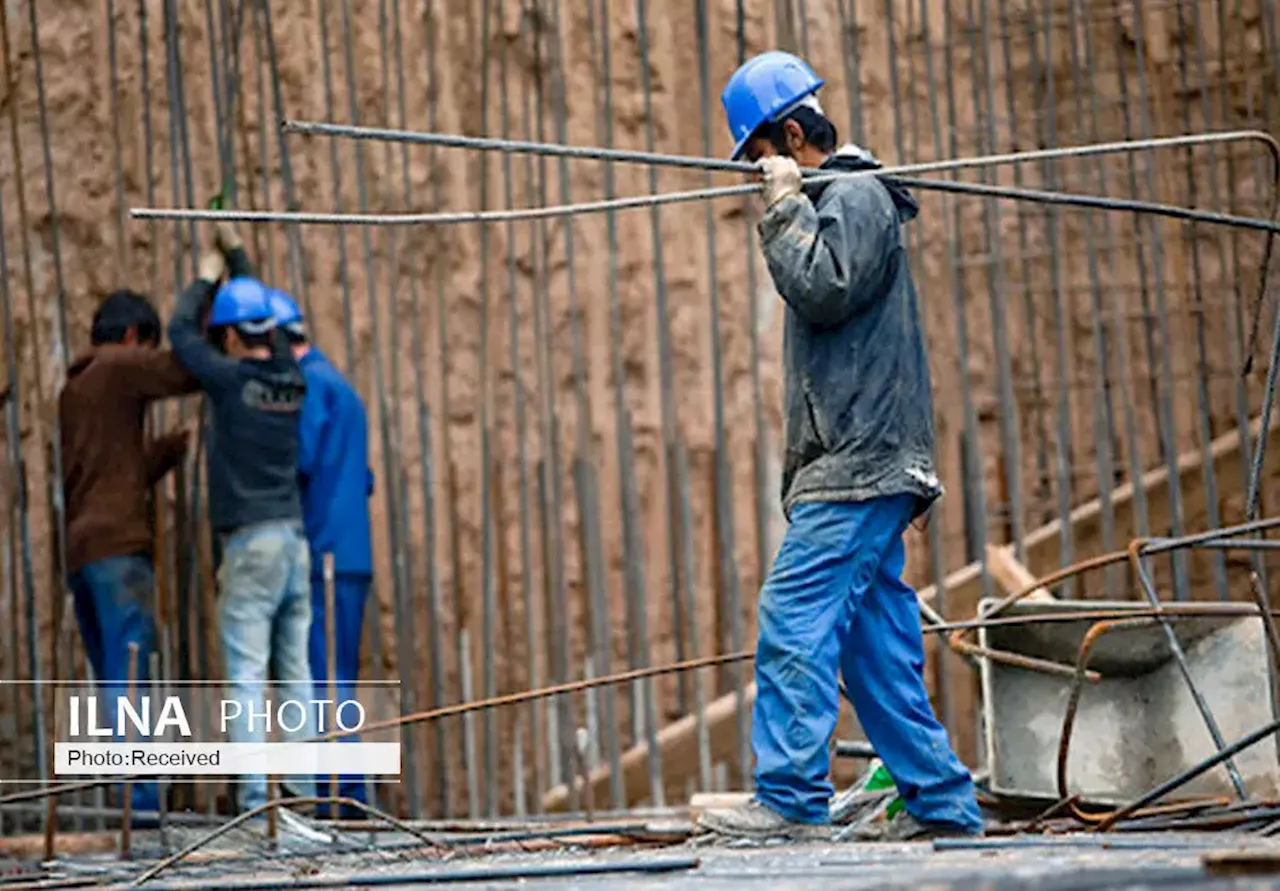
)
(1101, 416)
(113, 65)
(984, 109)
(562, 739)
(585, 463)
(972, 452)
(726, 541)
(1036, 417)
(1120, 337)
(1191, 234)
(666, 383)
(393, 442)
(335, 176)
(1166, 384)
(633, 540)
(297, 259)
(442, 327)
(32, 629)
(487, 594)
(760, 456)
(267, 258)
(425, 463)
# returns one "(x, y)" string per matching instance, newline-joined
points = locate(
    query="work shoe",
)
(904, 827)
(757, 821)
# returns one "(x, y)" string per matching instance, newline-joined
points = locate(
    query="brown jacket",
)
(108, 468)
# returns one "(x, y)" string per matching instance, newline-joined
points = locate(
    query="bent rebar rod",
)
(450, 140)
(563, 210)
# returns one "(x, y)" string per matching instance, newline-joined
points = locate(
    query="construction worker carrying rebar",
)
(108, 471)
(858, 470)
(255, 390)
(335, 482)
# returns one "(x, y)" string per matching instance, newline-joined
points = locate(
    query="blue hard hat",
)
(242, 302)
(761, 89)
(285, 309)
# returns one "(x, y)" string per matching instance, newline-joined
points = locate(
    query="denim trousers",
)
(113, 601)
(834, 604)
(264, 619)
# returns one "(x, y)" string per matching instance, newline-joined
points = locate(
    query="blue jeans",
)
(834, 601)
(113, 609)
(350, 593)
(264, 616)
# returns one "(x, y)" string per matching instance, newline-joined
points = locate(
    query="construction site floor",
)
(1050, 863)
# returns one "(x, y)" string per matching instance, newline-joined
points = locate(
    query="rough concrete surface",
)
(911, 81)
(1074, 863)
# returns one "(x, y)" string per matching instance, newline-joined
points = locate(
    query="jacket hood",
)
(854, 157)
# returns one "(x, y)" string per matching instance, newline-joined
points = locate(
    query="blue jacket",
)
(333, 469)
(859, 409)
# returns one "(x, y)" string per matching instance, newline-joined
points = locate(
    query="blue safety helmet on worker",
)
(242, 302)
(285, 310)
(858, 468)
(763, 89)
(335, 483)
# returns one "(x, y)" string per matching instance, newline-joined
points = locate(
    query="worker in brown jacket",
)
(109, 469)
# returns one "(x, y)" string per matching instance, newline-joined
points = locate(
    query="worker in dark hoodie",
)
(858, 469)
(109, 469)
(255, 391)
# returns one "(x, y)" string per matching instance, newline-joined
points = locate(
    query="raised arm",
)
(827, 264)
(211, 368)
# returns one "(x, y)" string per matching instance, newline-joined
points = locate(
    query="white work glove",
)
(226, 237)
(781, 178)
(212, 266)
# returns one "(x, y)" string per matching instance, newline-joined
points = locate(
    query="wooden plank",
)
(1013, 577)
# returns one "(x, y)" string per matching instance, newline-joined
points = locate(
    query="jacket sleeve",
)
(215, 371)
(827, 261)
(154, 374)
(164, 454)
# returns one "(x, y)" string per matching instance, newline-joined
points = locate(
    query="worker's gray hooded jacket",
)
(859, 409)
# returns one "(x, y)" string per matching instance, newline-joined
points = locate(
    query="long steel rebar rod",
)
(451, 140)
(501, 216)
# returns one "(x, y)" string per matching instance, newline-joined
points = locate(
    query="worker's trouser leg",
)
(882, 663)
(830, 567)
(350, 594)
(264, 617)
(113, 609)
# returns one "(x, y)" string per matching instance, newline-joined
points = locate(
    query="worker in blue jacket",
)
(858, 469)
(336, 483)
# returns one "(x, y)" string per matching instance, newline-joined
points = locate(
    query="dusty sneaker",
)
(905, 827)
(757, 821)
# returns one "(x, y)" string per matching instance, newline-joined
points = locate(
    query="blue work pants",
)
(350, 594)
(113, 602)
(834, 601)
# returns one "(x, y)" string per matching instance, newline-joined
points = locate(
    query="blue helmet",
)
(761, 89)
(287, 313)
(242, 302)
